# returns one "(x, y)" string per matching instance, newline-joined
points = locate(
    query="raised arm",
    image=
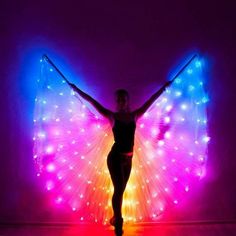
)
(102, 110)
(140, 111)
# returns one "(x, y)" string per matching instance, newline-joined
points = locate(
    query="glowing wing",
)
(170, 147)
(71, 142)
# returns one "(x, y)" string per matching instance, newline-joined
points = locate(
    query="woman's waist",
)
(122, 150)
(128, 154)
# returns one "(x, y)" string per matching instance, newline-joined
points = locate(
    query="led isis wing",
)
(171, 144)
(71, 143)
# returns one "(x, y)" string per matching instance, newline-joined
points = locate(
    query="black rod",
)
(46, 58)
(183, 68)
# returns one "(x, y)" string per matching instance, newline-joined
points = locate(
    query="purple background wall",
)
(103, 46)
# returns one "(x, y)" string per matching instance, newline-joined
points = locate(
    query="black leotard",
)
(124, 135)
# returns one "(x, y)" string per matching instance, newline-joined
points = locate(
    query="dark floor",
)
(146, 229)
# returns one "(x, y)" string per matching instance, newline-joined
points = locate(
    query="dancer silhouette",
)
(119, 159)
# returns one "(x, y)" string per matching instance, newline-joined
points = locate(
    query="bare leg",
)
(119, 167)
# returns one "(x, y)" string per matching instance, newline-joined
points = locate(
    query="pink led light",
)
(50, 185)
(49, 149)
(51, 167)
(59, 200)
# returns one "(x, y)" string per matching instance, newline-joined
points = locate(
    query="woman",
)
(119, 159)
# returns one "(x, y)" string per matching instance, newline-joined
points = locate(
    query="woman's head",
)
(122, 100)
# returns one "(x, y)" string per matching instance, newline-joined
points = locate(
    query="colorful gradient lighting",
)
(72, 140)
